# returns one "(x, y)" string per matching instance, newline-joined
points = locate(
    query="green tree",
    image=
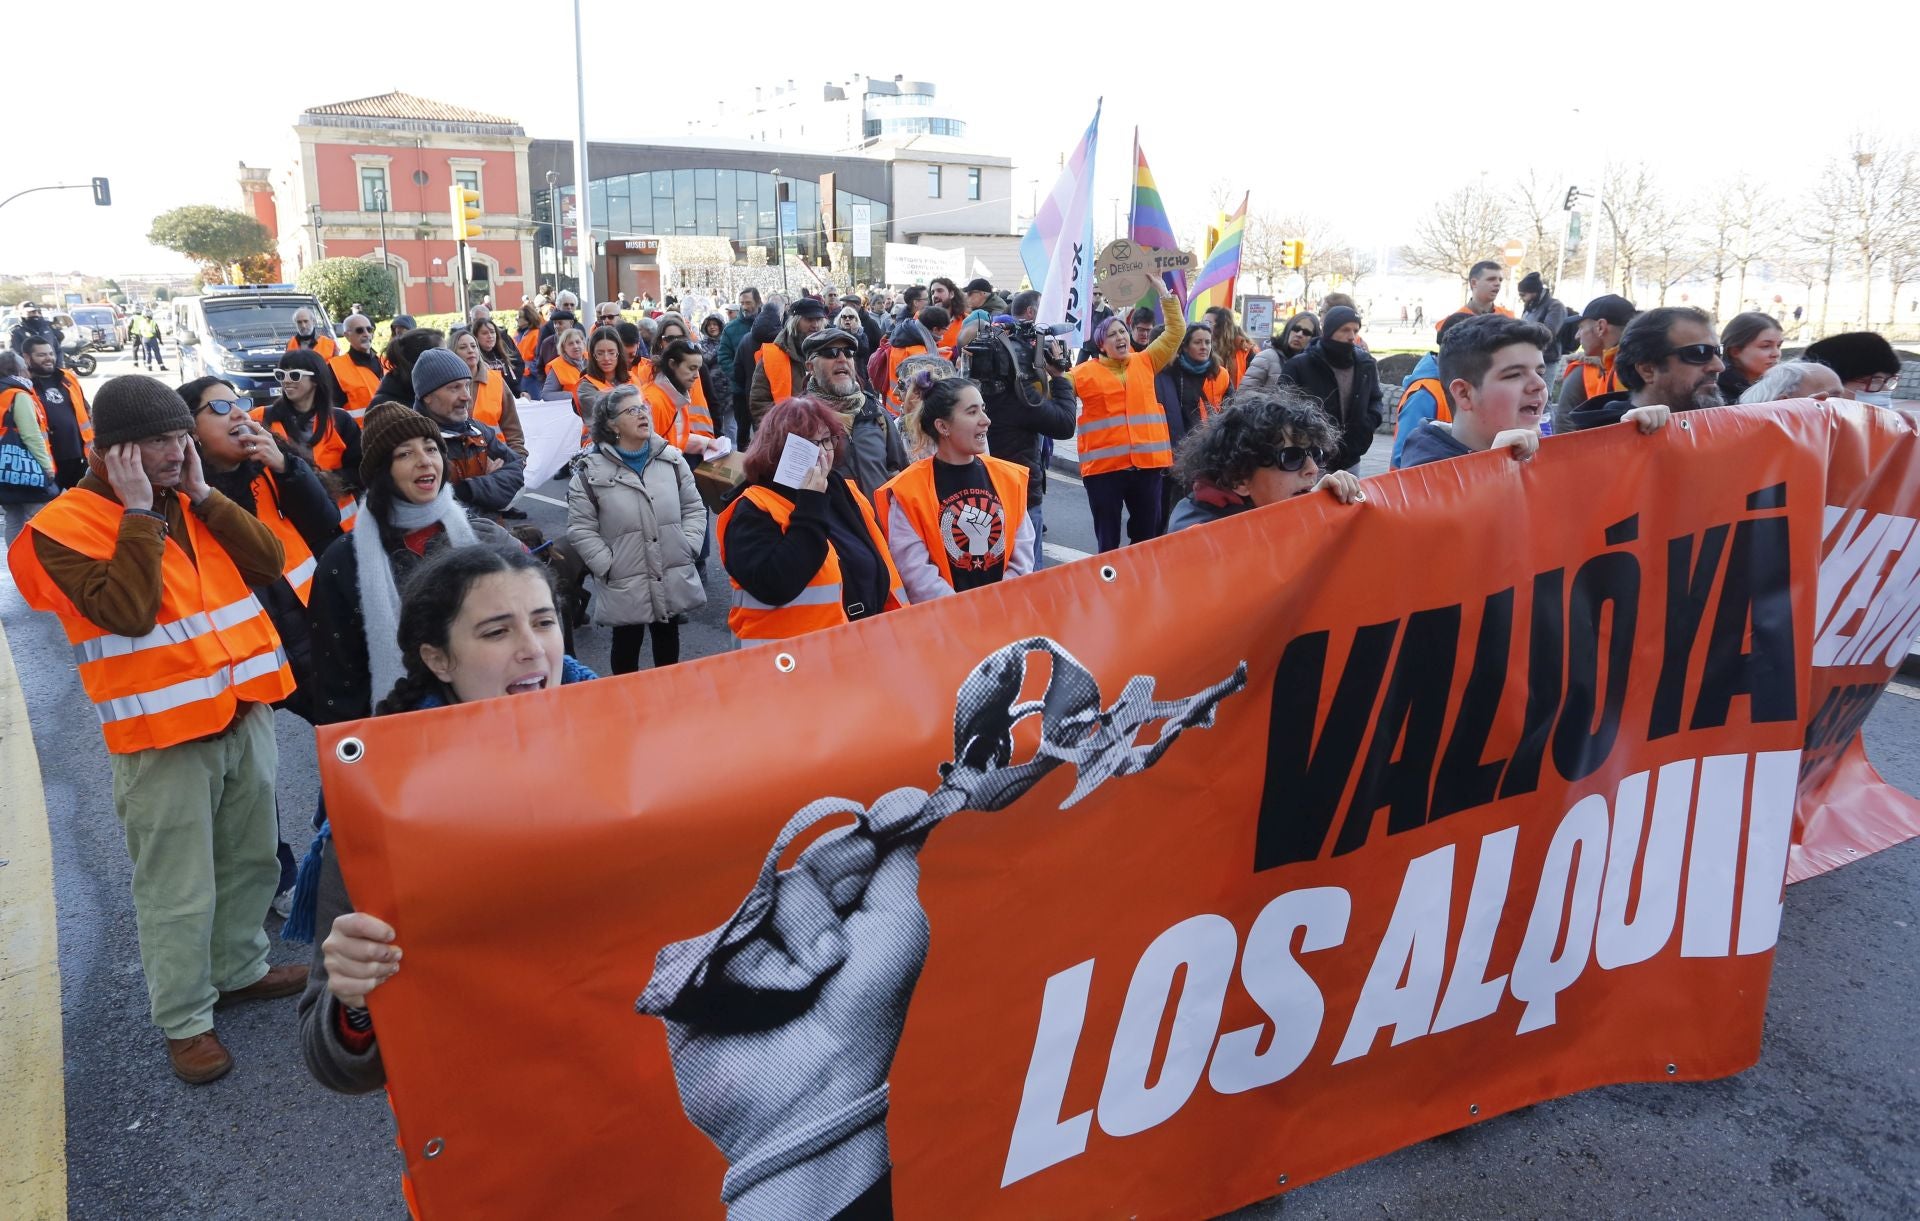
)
(13, 292)
(338, 283)
(213, 237)
(163, 294)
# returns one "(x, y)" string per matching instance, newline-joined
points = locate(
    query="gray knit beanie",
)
(133, 407)
(435, 368)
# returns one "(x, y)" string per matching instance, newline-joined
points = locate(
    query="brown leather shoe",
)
(288, 979)
(199, 1059)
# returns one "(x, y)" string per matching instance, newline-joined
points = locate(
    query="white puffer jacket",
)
(638, 536)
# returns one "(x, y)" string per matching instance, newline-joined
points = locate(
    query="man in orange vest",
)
(306, 334)
(782, 364)
(357, 369)
(1483, 289)
(147, 569)
(1591, 375)
(63, 411)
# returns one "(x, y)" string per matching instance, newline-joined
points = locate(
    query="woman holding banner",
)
(478, 622)
(957, 520)
(1263, 449)
(804, 555)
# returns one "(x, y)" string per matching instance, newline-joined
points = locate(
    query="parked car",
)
(109, 332)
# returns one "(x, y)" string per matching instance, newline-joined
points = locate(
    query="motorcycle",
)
(77, 352)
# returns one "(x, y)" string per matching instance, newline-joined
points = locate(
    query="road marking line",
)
(1062, 554)
(1065, 479)
(33, 1123)
(1902, 689)
(545, 500)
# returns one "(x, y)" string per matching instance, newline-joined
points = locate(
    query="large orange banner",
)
(1154, 884)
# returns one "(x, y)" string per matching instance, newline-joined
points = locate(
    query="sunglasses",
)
(283, 376)
(359, 330)
(1696, 353)
(221, 407)
(1308, 331)
(1293, 457)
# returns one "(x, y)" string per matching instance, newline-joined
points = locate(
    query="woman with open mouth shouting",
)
(409, 515)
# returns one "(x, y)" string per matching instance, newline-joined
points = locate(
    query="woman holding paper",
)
(636, 520)
(801, 546)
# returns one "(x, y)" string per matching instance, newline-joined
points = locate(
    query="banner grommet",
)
(434, 1148)
(1283, 1180)
(349, 750)
(784, 663)
(1108, 573)
(1473, 1108)
(1672, 1069)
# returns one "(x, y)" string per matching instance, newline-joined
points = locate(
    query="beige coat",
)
(639, 537)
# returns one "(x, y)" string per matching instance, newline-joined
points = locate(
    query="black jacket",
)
(1356, 419)
(342, 675)
(296, 426)
(304, 501)
(1014, 429)
(1600, 412)
(766, 329)
(38, 328)
(396, 386)
(1179, 395)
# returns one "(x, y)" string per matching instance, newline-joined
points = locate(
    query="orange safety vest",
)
(1122, 425)
(819, 604)
(640, 370)
(673, 424)
(1240, 359)
(895, 358)
(1214, 391)
(950, 338)
(10, 397)
(299, 564)
(212, 644)
(529, 344)
(1468, 309)
(76, 399)
(358, 384)
(914, 489)
(1603, 380)
(489, 398)
(779, 372)
(322, 344)
(329, 454)
(1442, 409)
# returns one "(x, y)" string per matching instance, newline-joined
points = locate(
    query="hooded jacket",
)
(1357, 418)
(638, 534)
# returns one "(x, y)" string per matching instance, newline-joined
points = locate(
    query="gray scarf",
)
(379, 598)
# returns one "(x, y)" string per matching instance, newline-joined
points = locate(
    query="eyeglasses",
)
(1696, 353)
(1293, 457)
(1882, 381)
(359, 330)
(220, 407)
(827, 442)
(292, 375)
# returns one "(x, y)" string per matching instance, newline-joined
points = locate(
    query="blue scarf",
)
(1199, 368)
(306, 884)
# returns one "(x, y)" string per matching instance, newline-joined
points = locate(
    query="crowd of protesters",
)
(353, 548)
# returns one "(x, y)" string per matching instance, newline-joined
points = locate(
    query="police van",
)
(239, 332)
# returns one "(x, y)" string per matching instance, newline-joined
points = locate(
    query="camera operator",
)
(1009, 363)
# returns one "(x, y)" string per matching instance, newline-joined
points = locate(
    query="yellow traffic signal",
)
(466, 213)
(1295, 255)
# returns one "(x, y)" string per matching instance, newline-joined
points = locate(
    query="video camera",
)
(1017, 358)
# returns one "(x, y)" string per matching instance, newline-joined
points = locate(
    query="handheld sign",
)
(1127, 272)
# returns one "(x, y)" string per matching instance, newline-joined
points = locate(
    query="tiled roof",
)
(399, 105)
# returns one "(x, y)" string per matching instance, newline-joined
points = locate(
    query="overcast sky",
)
(1327, 109)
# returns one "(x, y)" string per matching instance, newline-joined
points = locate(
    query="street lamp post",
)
(380, 206)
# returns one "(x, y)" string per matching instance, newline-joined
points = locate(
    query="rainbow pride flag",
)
(1222, 267)
(1147, 223)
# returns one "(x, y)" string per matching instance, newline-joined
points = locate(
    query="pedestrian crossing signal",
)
(466, 213)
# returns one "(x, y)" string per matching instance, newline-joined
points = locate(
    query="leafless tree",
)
(1871, 195)
(1465, 227)
(1634, 209)
(1540, 212)
(1742, 224)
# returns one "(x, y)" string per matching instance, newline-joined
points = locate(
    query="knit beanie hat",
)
(386, 428)
(1336, 318)
(1531, 283)
(435, 368)
(133, 407)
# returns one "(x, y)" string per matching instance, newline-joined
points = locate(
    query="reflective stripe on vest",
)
(672, 421)
(297, 569)
(212, 644)
(358, 384)
(1122, 425)
(821, 603)
(916, 492)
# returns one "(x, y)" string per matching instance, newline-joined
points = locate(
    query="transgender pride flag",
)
(1058, 248)
(1148, 224)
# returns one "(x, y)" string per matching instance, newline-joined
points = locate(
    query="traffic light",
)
(1573, 194)
(466, 213)
(1293, 255)
(102, 195)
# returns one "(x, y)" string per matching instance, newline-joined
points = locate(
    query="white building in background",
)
(833, 118)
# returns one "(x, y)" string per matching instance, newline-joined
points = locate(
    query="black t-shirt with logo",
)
(63, 424)
(973, 524)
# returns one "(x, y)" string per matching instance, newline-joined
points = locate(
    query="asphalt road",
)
(1821, 1127)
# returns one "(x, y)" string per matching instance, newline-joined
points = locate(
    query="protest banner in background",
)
(1151, 884)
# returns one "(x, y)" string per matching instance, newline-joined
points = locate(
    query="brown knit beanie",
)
(386, 428)
(133, 407)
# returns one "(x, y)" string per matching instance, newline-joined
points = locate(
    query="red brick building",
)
(384, 165)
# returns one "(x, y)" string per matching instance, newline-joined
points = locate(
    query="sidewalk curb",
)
(33, 1123)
